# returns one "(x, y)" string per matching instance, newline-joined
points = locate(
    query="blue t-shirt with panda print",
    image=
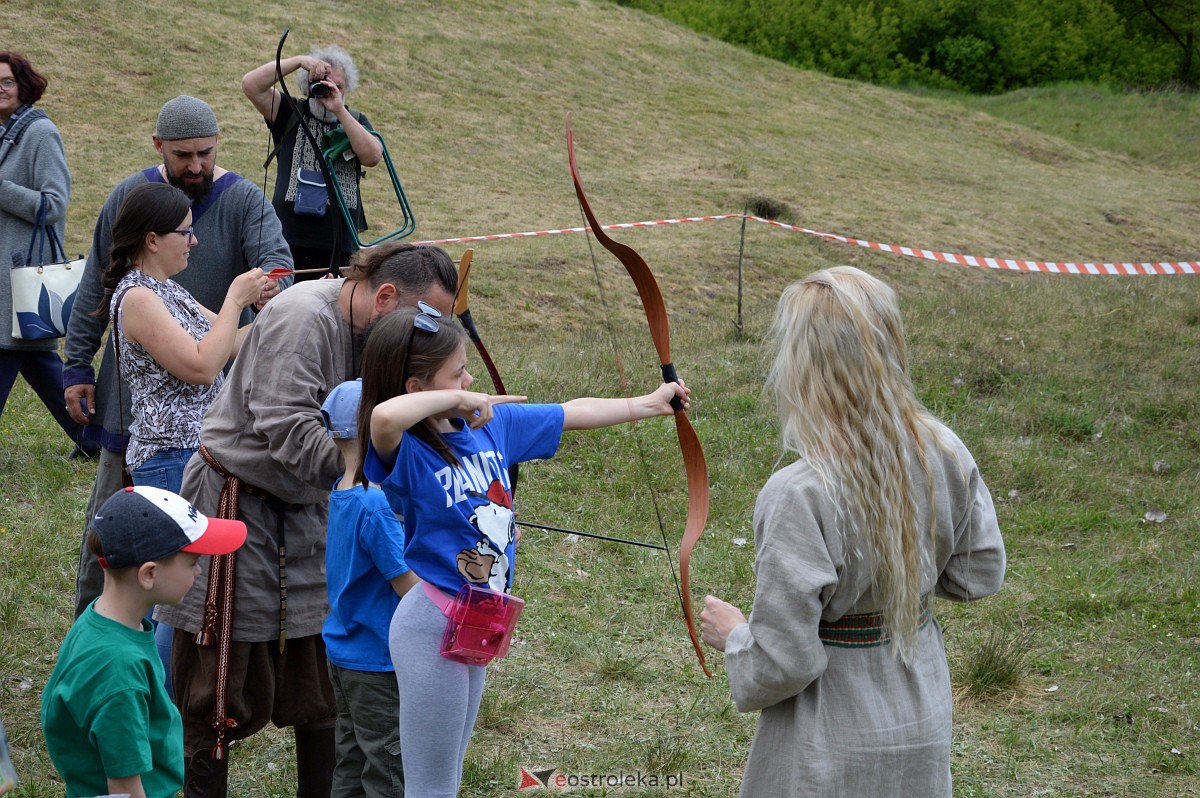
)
(458, 521)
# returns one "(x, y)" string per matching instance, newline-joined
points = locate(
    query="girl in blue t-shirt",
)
(442, 453)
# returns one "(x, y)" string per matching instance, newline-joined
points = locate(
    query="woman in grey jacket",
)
(32, 168)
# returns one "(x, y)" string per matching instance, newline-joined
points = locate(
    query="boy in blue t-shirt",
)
(366, 576)
(110, 726)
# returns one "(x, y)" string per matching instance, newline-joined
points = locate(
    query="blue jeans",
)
(163, 634)
(43, 370)
(164, 470)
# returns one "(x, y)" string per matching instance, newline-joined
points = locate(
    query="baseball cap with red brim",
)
(142, 524)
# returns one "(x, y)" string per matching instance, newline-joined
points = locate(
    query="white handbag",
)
(43, 290)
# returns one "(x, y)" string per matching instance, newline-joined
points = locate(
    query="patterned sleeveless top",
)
(166, 410)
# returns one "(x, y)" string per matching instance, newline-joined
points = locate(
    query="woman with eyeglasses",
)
(31, 170)
(172, 348)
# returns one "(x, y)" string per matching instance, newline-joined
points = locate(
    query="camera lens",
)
(318, 90)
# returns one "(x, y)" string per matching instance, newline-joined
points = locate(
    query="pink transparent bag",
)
(479, 625)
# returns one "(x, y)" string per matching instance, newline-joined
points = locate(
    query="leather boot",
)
(205, 777)
(314, 762)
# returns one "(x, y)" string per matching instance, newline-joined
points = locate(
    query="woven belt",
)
(217, 624)
(865, 630)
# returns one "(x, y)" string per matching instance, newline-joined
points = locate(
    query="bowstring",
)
(624, 382)
(266, 170)
(275, 95)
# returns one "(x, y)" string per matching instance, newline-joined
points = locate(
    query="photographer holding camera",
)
(312, 221)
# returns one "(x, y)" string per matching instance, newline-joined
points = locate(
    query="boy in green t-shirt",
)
(110, 726)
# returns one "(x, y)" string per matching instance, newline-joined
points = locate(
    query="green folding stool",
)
(336, 142)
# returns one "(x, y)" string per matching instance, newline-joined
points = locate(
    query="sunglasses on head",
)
(427, 319)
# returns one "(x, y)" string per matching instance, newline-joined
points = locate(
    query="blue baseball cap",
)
(340, 410)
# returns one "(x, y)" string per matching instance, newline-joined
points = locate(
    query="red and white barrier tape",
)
(1178, 267)
(626, 226)
(1051, 267)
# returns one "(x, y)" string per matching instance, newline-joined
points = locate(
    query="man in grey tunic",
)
(248, 648)
(237, 230)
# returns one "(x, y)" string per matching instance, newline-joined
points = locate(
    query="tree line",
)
(980, 46)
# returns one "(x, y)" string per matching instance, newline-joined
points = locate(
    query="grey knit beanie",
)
(186, 118)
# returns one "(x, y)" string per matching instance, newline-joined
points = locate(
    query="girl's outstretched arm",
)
(391, 419)
(593, 413)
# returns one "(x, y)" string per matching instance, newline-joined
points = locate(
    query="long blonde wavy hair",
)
(847, 405)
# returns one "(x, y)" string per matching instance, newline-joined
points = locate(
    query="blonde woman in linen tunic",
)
(861, 712)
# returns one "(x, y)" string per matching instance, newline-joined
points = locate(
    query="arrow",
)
(279, 272)
(590, 535)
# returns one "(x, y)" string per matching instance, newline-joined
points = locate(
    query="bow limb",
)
(462, 309)
(695, 466)
(635, 265)
(696, 469)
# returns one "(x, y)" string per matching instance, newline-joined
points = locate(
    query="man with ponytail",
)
(248, 647)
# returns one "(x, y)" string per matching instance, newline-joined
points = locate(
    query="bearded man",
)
(237, 229)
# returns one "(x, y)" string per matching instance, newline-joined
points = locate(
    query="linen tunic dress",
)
(265, 426)
(295, 151)
(853, 721)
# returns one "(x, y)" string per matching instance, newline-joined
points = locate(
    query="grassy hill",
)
(1077, 395)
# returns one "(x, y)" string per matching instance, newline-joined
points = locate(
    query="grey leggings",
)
(439, 699)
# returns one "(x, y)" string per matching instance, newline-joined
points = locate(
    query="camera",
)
(318, 89)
